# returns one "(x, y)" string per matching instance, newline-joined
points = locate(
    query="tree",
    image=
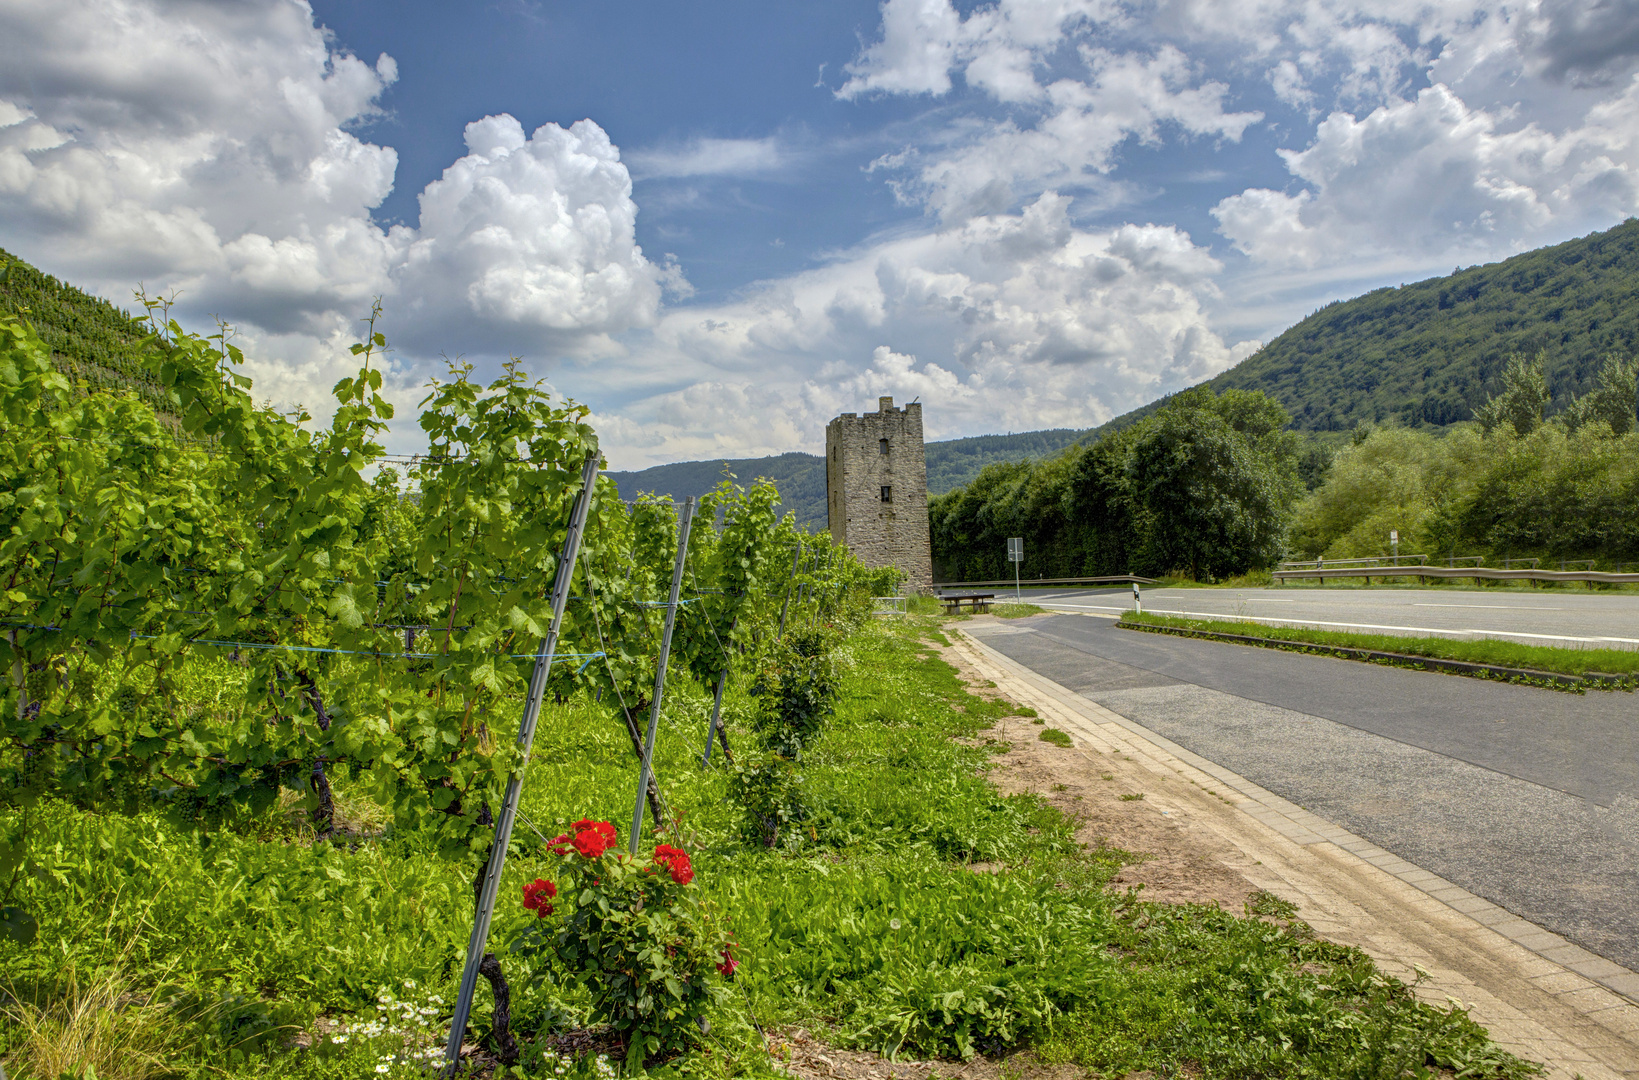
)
(1523, 398)
(1613, 401)
(1216, 489)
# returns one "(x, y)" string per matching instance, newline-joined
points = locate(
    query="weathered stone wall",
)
(880, 533)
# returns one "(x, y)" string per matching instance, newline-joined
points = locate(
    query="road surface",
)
(1527, 797)
(1562, 617)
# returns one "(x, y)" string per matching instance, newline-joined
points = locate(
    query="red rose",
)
(727, 964)
(559, 845)
(593, 838)
(536, 896)
(676, 860)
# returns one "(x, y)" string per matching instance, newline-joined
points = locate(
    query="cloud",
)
(216, 150)
(1595, 41)
(1007, 320)
(527, 238)
(1435, 178)
(709, 157)
(998, 48)
(1073, 143)
(1063, 134)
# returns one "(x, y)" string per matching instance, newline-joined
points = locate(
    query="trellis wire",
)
(564, 571)
(685, 520)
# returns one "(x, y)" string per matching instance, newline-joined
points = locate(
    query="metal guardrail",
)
(1392, 560)
(1119, 579)
(1478, 573)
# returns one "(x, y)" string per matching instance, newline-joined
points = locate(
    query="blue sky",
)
(719, 225)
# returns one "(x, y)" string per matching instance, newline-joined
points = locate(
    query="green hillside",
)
(955, 462)
(1428, 353)
(91, 340)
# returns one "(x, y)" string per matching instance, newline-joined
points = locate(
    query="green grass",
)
(1054, 736)
(1011, 610)
(867, 923)
(1480, 651)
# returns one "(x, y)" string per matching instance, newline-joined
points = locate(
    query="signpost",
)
(1015, 555)
(1394, 545)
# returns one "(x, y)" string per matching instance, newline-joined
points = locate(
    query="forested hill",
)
(801, 477)
(1428, 353)
(90, 338)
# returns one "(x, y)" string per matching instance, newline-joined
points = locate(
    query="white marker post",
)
(1394, 545)
(1015, 555)
(1138, 603)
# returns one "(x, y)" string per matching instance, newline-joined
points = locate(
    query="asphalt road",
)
(1561, 617)
(1527, 797)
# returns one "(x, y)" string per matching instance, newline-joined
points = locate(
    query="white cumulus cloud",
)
(1434, 177)
(215, 150)
(1013, 321)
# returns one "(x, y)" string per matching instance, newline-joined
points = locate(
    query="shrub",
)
(636, 934)
(768, 791)
(796, 686)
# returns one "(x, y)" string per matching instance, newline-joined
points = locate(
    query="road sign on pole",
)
(1015, 555)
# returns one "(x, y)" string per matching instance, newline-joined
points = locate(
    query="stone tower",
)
(876, 489)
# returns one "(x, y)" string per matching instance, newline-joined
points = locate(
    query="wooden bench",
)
(977, 602)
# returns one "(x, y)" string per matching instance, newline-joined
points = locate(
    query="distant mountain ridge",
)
(801, 477)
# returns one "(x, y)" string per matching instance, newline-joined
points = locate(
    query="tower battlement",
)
(876, 488)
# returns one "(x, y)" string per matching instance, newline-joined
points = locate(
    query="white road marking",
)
(1492, 607)
(1554, 637)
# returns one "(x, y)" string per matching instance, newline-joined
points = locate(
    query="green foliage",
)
(1215, 479)
(1553, 494)
(95, 345)
(1243, 998)
(1612, 402)
(796, 683)
(1203, 486)
(1524, 395)
(1054, 736)
(636, 933)
(768, 790)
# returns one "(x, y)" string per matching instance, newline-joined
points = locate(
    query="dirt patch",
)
(1180, 863)
(802, 1055)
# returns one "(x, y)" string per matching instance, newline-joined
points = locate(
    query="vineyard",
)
(307, 750)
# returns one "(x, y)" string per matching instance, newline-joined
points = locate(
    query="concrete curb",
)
(1602, 991)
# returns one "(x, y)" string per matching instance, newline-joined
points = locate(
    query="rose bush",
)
(636, 934)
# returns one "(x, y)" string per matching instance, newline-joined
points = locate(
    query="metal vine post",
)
(563, 573)
(685, 520)
(715, 730)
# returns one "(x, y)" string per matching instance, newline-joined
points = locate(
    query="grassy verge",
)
(1480, 651)
(868, 921)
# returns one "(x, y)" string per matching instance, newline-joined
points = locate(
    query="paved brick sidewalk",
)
(1540, 996)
